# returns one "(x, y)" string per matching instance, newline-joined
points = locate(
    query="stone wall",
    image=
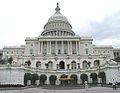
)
(13, 75)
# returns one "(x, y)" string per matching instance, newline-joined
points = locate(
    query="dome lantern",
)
(57, 8)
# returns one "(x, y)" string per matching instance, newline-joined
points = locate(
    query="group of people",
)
(114, 84)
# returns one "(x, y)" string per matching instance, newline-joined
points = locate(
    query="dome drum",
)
(59, 25)
(58, 33)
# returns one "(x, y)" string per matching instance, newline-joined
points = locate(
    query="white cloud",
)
(107, 31)
(24, 18)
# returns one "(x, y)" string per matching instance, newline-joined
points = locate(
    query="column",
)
(79, 47)
(50, 47)
(41, 47)
(68, 47)
(76, 47)
(56, 48)
(62, 50)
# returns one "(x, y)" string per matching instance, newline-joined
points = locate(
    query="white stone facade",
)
(64, 52)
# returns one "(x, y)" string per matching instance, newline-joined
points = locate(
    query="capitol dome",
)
(57, 25)
(57, 17)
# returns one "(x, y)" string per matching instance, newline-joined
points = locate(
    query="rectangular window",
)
(65, 51)
(86, 51)
(59, 51)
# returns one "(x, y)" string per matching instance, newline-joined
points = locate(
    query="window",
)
(84, 64)
(38, 64)
(59, 51)
(31, 51)
(96, 63)
(50, 65)
(86, 51)
(73, 65)
(73, 51)
(31, 44)
(65, 51)
(44, 51)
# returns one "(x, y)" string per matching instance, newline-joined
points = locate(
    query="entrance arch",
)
(74, 79)
(102, 76)
(43, 78)
(84, 78)
(52, 79)
(94, 78)
(63, 79)
(62, 65)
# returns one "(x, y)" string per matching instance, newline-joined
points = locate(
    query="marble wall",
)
(11, 75)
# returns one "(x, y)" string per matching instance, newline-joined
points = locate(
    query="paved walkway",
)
(39, 90)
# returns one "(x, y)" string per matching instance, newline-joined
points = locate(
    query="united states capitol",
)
(59, 56)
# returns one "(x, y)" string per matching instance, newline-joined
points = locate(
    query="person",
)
(114, 84)
(86, 85)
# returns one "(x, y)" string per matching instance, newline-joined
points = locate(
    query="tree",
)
(43, 78)
(2, 61)
(117, 59)
(10, 60)
(34, 77)
(27, 76)
(102, 76)
(84, 77)
(94, 77)
(74, 79)
(52, 79)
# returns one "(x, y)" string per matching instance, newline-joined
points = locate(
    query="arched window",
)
(96, 63)
(31, 51)
(50, 65)
(73, 65)
(38, 64)
(62, 65)
(84, 64)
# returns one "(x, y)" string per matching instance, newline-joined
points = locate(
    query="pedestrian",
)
(86, 85)
(114, 84)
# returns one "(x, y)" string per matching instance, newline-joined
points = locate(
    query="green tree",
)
(10, 60)
(43, 78)
(52, 79)
(94, 77)
(84, 78)
(102, 76)
(2, 61)
(117, 59)
(34, 77)
(74, 79)
(27, 76)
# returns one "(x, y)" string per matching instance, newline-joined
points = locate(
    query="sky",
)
(26, 18)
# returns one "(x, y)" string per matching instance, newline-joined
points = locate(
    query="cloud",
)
(106, 31)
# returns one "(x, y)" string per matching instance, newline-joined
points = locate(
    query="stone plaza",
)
(40, 90)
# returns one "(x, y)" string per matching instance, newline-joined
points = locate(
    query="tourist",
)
(86, 85)
(114, 84)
